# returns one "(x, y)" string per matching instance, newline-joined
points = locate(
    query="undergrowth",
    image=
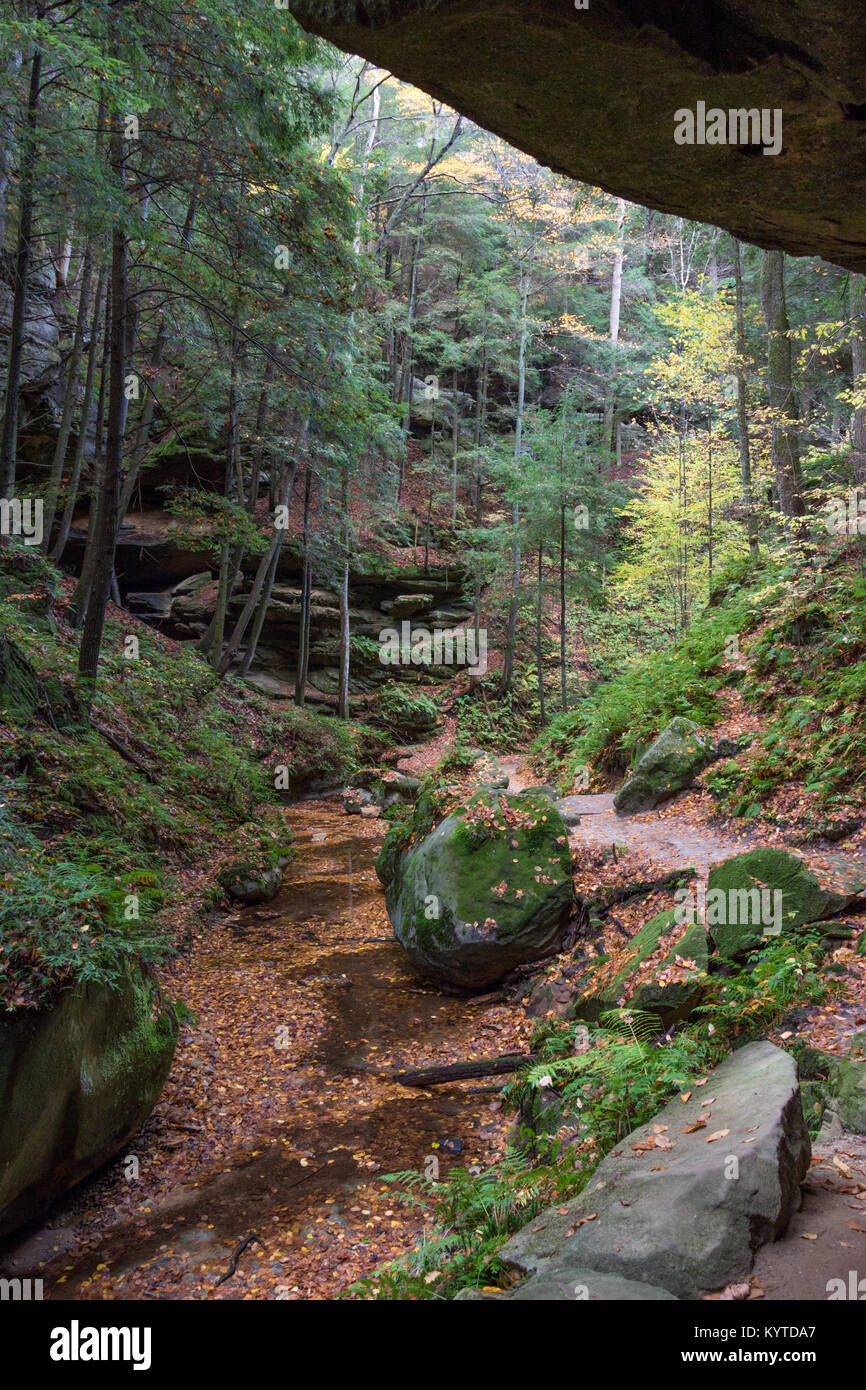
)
(587, 1087)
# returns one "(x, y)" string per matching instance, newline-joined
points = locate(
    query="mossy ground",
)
(787, 636)
(112, 833)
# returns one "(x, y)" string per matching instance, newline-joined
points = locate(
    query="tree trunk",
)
(615, 307)
(408, 374)
(56, 475)
(742, 413)
(343, 704)
(9, 426)
(258, 450)
(306, 600)
(142, 433)
(562, 666)
(780, 386)
(97, 602)
(514, 602)
(858, 361)
(271, 558)
(538, 635)
(84, 420)
(7, 146)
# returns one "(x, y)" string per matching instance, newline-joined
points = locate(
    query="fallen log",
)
(464, 1071)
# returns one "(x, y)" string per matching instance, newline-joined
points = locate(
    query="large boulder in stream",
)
(667, 1208)
(488, 890)
(680, 752)
(76, 1081)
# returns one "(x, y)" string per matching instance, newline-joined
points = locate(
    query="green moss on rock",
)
(671, 992)
(742, 906)
(680, 752)
(76, 1081)
(488, 889)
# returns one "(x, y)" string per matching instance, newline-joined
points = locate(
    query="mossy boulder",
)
(673, 988)
(249, 882)
(76, 1081)
(487, 771)
(845, 1090)
(680, 752)
(489, 889)
(742, 902)
(834, 1088)
(380, 787)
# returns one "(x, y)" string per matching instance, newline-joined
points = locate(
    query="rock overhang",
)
(593, 94)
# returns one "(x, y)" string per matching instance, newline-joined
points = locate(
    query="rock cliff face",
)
(41, 389)
(592, 92)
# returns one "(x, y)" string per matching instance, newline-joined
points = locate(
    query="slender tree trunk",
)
(780, 386)
(258, 449)
(273, 553)
(858, 361)
(408, 376)
(306, 600)
(81, 596)
(56, 475)
(260, 615)
(615, 308)
(97, 335)
(9, 424)
(562, 611)
(539, 655)
(142, 433)
(211, 641)
(709, 502)
(742, 412)
(94, 622)
(7, 145)
(84, 420)
(514, 602)
(455, 447)
(269, 559)
(343, 704)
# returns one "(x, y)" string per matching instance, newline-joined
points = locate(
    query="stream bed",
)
(277, 1117)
